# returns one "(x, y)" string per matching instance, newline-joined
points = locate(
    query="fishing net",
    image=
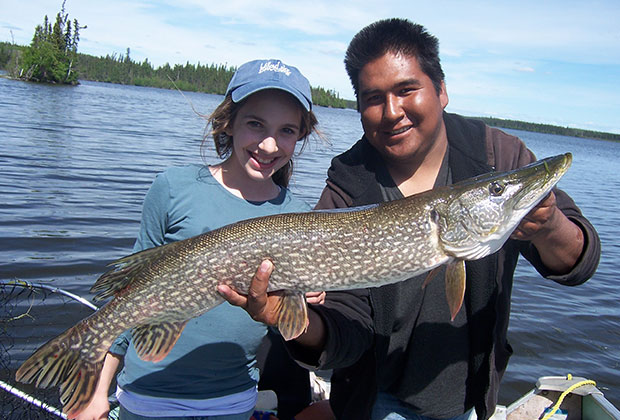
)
(30, 315)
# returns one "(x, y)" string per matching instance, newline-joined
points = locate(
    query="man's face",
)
(401, 110)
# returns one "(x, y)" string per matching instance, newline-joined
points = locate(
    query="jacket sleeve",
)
(347, 315)
(588, 261)
(506, 152)
(333, 197)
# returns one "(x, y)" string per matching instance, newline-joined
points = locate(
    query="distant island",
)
(124, 70)
(214, 79)
(549, 129)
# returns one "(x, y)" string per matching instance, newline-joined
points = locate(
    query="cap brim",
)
(246, 90)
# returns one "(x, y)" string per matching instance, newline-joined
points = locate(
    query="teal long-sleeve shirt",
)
(215, 355)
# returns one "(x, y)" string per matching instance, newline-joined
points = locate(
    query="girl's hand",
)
(98, 409)
(317, 298)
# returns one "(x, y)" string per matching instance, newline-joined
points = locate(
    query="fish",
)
(156, 291)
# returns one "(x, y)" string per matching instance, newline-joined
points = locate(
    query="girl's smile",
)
(264, 132)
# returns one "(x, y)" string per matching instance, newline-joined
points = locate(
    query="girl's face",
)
(265, 131)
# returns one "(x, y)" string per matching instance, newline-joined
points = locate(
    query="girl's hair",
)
(224, 116)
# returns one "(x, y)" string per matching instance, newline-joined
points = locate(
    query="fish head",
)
(480, 213)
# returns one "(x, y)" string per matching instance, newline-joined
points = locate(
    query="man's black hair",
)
(397, 36)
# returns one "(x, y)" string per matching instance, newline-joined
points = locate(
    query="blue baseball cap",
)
(269, 74)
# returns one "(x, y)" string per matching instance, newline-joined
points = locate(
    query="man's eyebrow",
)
(402, 83)
(408, 82)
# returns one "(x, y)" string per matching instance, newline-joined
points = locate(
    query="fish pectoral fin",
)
(431, 274)
(293, 314)
(455, 286)
(153, 342)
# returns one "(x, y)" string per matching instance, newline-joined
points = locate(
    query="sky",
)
(545, 61)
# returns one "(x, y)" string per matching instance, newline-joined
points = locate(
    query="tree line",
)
(122, 69)
(549, 129)
(53, 57)
(199, 77)
(214, 78)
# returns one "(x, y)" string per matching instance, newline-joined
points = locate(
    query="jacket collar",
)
(357, 170)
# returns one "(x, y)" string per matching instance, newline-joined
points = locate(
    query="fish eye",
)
(496, 188)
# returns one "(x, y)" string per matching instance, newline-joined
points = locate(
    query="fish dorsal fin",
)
(121, 276)
(153, 342)
(455, 286)
(293, 314)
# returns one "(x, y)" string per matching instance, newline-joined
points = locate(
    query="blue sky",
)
(554, 62)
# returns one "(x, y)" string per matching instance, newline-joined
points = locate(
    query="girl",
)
(211, 372)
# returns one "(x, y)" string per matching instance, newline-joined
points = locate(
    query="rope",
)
(565, 393)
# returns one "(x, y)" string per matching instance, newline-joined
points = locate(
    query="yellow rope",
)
(565, 393)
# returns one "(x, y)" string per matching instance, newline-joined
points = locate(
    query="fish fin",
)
(430, 276)
(124, 271)
(455, 286)
(293, 314)
(153, 342)
(59, 362)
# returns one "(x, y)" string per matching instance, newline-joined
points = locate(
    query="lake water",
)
(76, 162)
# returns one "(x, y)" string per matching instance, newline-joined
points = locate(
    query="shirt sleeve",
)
(151, 234)
(120, 345)
(154, 215)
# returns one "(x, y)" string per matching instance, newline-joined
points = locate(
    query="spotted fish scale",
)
(156, 291)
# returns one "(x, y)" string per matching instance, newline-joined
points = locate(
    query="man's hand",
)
(261, 306)
(538, 220)
(558, 240)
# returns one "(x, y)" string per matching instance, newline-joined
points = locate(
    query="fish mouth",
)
(541, 184)
(510, 197)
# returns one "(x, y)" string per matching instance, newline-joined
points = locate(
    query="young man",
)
(394, 351)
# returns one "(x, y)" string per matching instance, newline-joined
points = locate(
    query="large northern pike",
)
(158, 290)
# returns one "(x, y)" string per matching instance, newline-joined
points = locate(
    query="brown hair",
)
(224, 116)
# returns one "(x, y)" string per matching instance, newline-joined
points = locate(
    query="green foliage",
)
(329, 98)
(212, 78)
(6, 53)
(53, 51)
(123, 70)
(549, 129)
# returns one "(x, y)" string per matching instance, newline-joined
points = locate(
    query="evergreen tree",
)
(53, 51)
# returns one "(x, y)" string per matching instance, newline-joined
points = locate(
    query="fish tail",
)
(58, 363)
